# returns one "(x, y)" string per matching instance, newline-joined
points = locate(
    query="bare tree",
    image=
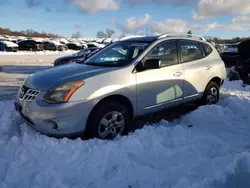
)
(109, 33)
(105, 34)
(101, 34)
(76, 35)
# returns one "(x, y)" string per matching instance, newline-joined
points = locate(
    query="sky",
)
(219, 18)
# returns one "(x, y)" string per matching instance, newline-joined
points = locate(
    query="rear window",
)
(207, 49)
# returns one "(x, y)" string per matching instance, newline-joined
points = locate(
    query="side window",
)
(190, 50)
(166, 52)
(207, 49)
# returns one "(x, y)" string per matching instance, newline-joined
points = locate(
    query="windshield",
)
(83, 52)
(118, 54)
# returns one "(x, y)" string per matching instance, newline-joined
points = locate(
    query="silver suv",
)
(129, 78)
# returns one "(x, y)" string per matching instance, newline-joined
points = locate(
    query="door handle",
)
(177, 74)
(208, 67)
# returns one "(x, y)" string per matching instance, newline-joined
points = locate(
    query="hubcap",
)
(111, 124)
(212, 96)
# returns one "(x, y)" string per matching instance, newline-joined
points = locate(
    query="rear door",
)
(198, 68)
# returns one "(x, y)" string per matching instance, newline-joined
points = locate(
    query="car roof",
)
(143, 39)
(169, 36)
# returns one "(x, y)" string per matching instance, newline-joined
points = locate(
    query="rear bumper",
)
(56, 120)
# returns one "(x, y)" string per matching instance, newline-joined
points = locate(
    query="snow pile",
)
(212, 153)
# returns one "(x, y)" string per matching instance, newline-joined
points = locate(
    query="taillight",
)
(36, 44)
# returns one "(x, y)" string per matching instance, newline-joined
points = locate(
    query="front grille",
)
(28, 94)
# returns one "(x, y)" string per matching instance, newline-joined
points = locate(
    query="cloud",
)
(217, 26)
(173, 2)
(169, 26)
(93, 6)
(212, 8)
(33, 3)
(133, 24)
(242, 20)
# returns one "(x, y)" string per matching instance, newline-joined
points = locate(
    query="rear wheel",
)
(107, 121)
(211, 94)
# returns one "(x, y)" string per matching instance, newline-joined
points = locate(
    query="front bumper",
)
(56, 120)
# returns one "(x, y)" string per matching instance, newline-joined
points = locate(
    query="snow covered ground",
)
(23, 57)
(18, 65)
(213, 153)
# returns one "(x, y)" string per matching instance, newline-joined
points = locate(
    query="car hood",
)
(67, 58)
(52, 77)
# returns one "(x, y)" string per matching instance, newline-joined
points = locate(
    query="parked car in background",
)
(127, 79)
(76, 46)
(230, 58)
(95, 45)
(30, 45)
(8, 46)
(54, 46)
(230, 55)
(63, 41)
(107, 41)
(77, 57)
(231, 48)
(241, 70)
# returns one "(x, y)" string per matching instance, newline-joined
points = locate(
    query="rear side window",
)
(207, 49)
(190, 50)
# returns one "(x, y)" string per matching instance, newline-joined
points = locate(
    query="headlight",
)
(62, 93)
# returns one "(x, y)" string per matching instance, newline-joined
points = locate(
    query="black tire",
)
(211, 87)
(94, 122)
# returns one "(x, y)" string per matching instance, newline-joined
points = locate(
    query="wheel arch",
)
(217, 80)
(115, 98)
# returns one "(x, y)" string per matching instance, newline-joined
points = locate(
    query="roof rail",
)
(129, 37)
(181, 35)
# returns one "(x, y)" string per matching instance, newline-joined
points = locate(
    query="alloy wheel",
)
(212, 95)
(112, 124)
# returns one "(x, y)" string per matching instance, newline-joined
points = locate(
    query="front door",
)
(160, 88)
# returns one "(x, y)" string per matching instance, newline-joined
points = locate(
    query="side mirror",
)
(152, 64)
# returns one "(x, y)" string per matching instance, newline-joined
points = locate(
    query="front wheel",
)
(211, 94)
(107, 121)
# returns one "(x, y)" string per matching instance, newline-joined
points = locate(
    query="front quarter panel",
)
(118, 82)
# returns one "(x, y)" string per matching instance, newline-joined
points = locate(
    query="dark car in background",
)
(77, 57)
(241, 71)
(231, 55)
(54, 46)
(76, 46)
(31, 45)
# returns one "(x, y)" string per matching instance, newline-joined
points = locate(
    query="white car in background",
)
(8, 46)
